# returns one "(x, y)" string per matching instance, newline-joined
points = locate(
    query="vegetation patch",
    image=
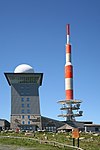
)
(22, 142)
(38, 140)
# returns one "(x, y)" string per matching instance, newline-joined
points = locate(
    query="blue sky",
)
(34, 32)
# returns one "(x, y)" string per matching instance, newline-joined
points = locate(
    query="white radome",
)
(24, 68)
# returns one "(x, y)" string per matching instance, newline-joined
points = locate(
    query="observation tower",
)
(25, 104)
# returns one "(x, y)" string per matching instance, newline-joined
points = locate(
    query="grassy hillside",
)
(88, 141)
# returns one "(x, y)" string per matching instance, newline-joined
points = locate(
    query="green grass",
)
(87, 141)
(25, 142)
(90, 142)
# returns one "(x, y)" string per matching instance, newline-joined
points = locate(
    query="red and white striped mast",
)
(69, 105)
(68, 68)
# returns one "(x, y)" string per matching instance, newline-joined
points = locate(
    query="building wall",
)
(25, 121)
(24, 104)
(92, 128)
(49, 124)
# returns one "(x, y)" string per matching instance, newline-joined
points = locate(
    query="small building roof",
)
(65, 127)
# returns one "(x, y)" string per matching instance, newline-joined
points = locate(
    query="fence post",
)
(73, 141)
(78, 142)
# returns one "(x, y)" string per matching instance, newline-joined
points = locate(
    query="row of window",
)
(23, 111)
(25, 87)
(28, 105)
(25, 79)
(23, 99)
(53, 128)
(25, 127)
(25, 93)
(23, 122)
(24, 116)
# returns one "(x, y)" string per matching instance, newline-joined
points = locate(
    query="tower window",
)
(23, 122)
(22, 105)
(28, 122)
(28, 99)
(22, 116)
(28, 116)
(28, 105)
(22, 111)
(22, 87)
(22, 99)
(22, 93)
(28, 111)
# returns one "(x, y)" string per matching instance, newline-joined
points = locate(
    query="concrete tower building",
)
(25, 105)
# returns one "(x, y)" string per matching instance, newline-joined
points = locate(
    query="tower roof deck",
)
(14, 78)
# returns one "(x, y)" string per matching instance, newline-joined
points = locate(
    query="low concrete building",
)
(50, 125)
(92, 128)
(4, 124)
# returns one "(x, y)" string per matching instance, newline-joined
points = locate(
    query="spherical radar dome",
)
(23, 68)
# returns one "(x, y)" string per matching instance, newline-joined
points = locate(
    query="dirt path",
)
(8, 147)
